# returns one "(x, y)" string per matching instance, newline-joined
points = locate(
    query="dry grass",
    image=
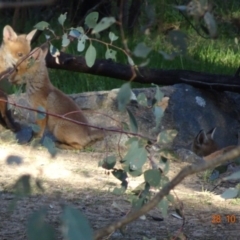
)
(75, 178)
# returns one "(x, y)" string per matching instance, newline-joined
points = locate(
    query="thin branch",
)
(25, 4)
(80, 123)
(189, 170)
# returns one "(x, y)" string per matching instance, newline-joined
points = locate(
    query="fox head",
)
(204, 144)
(15, 46)
(33, 65)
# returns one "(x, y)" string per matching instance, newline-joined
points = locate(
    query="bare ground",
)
(75, 178)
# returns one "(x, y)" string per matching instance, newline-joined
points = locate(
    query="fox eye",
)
(20, 54)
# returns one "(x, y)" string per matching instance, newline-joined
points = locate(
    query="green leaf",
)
(119, 191)
(170, 198)
(130, 61)
(153, 177)
(41, 25)
(108, 162)
(130, 140)
(158, 113)
(105, 23)
(62, 18)
(23, 186)
(166, 165)
(75, 225)
(168, 56)
(37, 228)
(159, 94)
(112, 36)
(82, 42)
(211, 24)
(168, 153)
(65, 40)
(133, 122)
(166, 136)
(110, 54)
(90, 55)
(50, 145)
(35, 128)
(141, 98)
(141, 50)
(178, 40)
(234, 176)
(75, 33)
(137, 203)
(230, 193)
(91, 19)
(134, 159)
(42, 114)
(124, 96)
(163, 206)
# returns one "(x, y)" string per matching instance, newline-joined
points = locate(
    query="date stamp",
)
(218, 219)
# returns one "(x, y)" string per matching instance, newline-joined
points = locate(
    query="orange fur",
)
(12, 49)
(205, 146)
(42, 93)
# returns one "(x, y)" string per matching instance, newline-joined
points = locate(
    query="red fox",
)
(205, 146)
(41, 92)
(12, 49)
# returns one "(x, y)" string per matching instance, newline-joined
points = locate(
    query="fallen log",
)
(109, 68)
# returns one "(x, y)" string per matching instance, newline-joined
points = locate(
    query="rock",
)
(189, 110)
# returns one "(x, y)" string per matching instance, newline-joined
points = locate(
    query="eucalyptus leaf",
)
(105, 23)
(133, 122)
(91, 19)
(141, 50)
(110, 54)
(211, 24)
(153, 177)
(166, 136)
(75, 33)
(112, 36)
(108, 162)
(141, 98)
(37, 228)
(163, 206)
(230, 193)
(42, 114)
(50, 145)
(62, 18)
(65, 40)
(130, 61)
(81, 43)
(124, 96)
(76, 225)
(41, 25)
(90, 55)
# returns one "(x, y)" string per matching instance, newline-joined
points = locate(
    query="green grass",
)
(218, 56)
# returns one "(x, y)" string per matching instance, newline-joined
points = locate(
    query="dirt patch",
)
(75, 178)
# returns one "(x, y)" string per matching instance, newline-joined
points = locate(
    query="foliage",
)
(133, 164)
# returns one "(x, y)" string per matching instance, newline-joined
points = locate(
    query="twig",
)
(25, 4)
(189, 170)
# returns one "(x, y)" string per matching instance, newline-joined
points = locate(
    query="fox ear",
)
(9, 34)
(211, 132)
(201, 137)
(30, 35)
